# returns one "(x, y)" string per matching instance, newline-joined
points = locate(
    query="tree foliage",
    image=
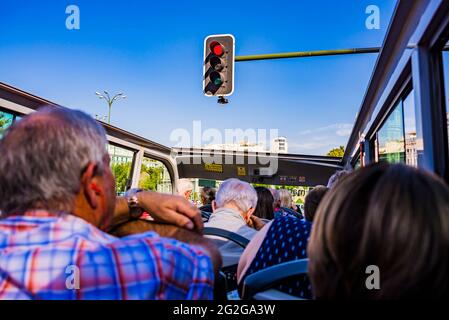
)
(150, 177)
(121, 173)
(337, 152)
(5, 122)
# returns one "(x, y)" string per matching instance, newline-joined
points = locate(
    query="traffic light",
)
(218, 74)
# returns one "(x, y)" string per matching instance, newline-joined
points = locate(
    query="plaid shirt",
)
(43, 255)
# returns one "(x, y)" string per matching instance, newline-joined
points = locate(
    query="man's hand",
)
(256, 223)
(170, 209)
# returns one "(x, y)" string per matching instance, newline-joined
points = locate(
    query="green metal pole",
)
(304, 54)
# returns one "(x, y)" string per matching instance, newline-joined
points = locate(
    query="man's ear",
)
(91, 186)
(249, 213)
(214, 206)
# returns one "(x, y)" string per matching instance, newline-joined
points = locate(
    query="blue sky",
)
(153, 52)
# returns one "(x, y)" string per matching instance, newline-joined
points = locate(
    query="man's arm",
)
(121, 213)
(174, 232)
(164, 208)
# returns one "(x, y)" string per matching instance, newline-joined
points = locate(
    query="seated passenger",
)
(282, 240)
(265, 204)
(277, 204)
(58, 194)
(257, 255)
(207, 196)
(233, 211)
(382, 233)
(287, 201)
(184, 188)
(281, 211)
(337, 177)
(312, 201)
(276, 197)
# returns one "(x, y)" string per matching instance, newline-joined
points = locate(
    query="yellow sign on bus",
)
(212, 167)
(241, 171)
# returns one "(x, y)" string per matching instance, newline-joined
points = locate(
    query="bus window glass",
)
(413, 146)
(155, 176)
(446, 82)
(358, 163)
(5, 121)
(391, 137)
(121, 165)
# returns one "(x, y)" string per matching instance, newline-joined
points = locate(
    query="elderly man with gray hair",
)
(184, 188)
(233, 209)
(58, 199)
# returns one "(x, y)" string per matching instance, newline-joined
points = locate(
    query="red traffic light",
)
(218, 65)
(216, 48)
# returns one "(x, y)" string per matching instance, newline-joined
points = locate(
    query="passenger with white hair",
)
(337, 177)
(288, 207)
(282, 204)
(185, 188)
(233, 209)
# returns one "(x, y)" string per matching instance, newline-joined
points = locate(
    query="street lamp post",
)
(110, 100)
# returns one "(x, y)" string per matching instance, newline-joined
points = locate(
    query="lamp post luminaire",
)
(110, 100)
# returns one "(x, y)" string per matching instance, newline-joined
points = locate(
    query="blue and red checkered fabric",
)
(59, 256)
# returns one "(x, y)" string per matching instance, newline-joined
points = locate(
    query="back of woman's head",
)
(265, 201)
(286, 198)
(207, 195)
(313, 200)
(393, 217)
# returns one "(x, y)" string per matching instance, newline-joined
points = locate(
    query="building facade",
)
(279, 145)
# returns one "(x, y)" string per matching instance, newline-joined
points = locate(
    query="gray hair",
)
(275, 194)
(43, 156)
(183, 186)
(286, 198)
(336, 177)
(237, 192)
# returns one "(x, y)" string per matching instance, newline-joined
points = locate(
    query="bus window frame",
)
(411, 54)
(428, 73)
(129, 181)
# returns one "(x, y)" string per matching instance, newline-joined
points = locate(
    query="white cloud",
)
(340, 129)
(308, 145)
(344, 132)
(321, 140)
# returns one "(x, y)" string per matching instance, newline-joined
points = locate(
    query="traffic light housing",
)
(218, 73)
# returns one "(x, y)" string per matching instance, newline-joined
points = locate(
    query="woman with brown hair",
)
(313, 200)
(389, 218)
(265, 204)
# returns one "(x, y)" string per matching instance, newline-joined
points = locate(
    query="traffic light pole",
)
(305, 54)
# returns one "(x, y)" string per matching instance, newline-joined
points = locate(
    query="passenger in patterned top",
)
(282, 240)
(58, 194)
